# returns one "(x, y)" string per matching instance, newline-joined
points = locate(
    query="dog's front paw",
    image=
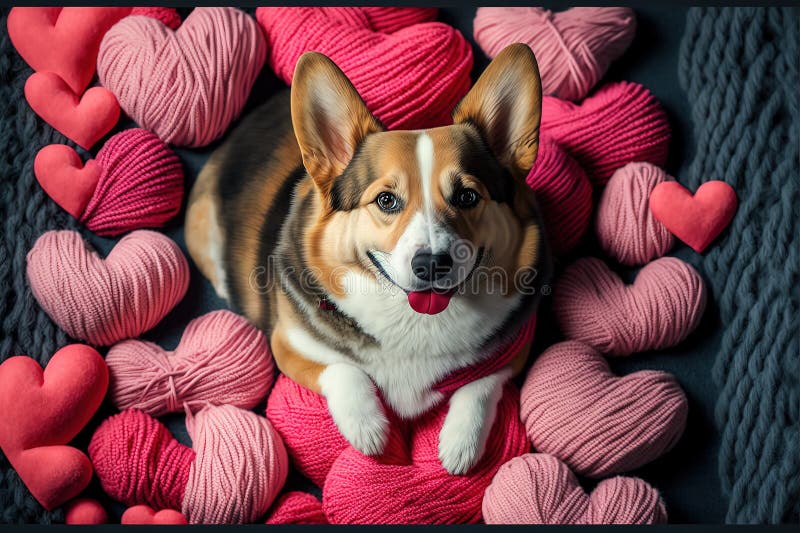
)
(462, 439)
(354, 407)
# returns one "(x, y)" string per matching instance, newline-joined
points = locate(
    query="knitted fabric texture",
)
(25, 212)
(740, 72)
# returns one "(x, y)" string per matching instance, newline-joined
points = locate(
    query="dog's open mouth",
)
(429, 301)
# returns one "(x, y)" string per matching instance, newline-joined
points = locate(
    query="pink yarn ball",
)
(221, 359)
(564, 194)
(576, 409)
(168, 16)
(411, 72)
(537, 488)
(85, 511)
(626, 228)
(236, 467)
(188, 85)
(662, 306)
(574, 48)
(618, 124)
(103, 301)
(297, 508)
(140, 185)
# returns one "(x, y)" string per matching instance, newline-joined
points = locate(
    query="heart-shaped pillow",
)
(407, 483)
(662, 306)
(83, 119)
(135, 182)
(186, 85)
(574, 48)
(106, 300)
(62, 40)
(695, 219)
(576, 409)
(222, 359)
(410, 72)
(537, 488)
(146, 515)
(41, 411)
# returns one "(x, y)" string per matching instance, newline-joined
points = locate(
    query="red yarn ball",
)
(167, 15)
(564, 195)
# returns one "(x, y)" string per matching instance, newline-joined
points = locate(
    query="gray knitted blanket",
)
(739, 68)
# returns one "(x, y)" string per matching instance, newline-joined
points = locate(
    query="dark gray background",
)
(687, 476)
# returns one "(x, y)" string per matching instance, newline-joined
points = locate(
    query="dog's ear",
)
(505, 104)
(329, 117)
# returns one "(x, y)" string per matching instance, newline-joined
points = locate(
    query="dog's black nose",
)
(430, 267)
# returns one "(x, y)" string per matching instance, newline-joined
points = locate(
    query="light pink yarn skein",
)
(187, 85)
(574, 48)
(221, 359)
(537, 488)
(239, 468)
(625, 226)
(658, 310)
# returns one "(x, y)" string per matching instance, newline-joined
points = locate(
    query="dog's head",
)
(436, 212)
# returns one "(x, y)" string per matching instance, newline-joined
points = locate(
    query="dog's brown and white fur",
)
(311, 201)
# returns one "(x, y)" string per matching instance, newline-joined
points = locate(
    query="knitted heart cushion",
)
(410, 72)
(186, 85)
(107, 300)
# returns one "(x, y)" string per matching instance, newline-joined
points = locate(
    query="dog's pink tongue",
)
(428, 302)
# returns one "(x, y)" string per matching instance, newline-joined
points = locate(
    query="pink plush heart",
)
(222, 358)
(662, 306)
(62, 40)
(537, 488)
(65, 178)
(135, 182)
(144, 514)
(410, 71)
(107, 300)
(187, 85)
(408, 485)
(696, 220)
(85, 512)
(82, 119)
(576, 409)
(41, 411)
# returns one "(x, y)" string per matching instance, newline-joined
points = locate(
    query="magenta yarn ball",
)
(625, 226)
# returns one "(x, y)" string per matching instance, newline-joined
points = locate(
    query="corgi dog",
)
(379, 262)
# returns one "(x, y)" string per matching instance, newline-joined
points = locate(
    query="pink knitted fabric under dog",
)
(411, 72)
(620, 123)
(297, 508)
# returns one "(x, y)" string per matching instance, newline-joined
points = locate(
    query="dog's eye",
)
(388, 202)
(466, 198)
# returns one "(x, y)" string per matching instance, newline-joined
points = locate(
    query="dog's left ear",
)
(505, 104)
(329, 117)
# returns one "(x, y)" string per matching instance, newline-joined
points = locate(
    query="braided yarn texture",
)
(25, 212)
(739, 69)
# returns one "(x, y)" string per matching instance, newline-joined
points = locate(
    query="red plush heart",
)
(65, 178)
(696, 220)
(144, 514)
(63, 40)
(537, 488)
(82, 119)
(408, 485)
(576, 409)
(41, 411)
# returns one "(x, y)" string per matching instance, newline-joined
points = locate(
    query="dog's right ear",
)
(329, 117)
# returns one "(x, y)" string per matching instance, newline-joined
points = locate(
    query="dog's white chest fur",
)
(416, 350)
